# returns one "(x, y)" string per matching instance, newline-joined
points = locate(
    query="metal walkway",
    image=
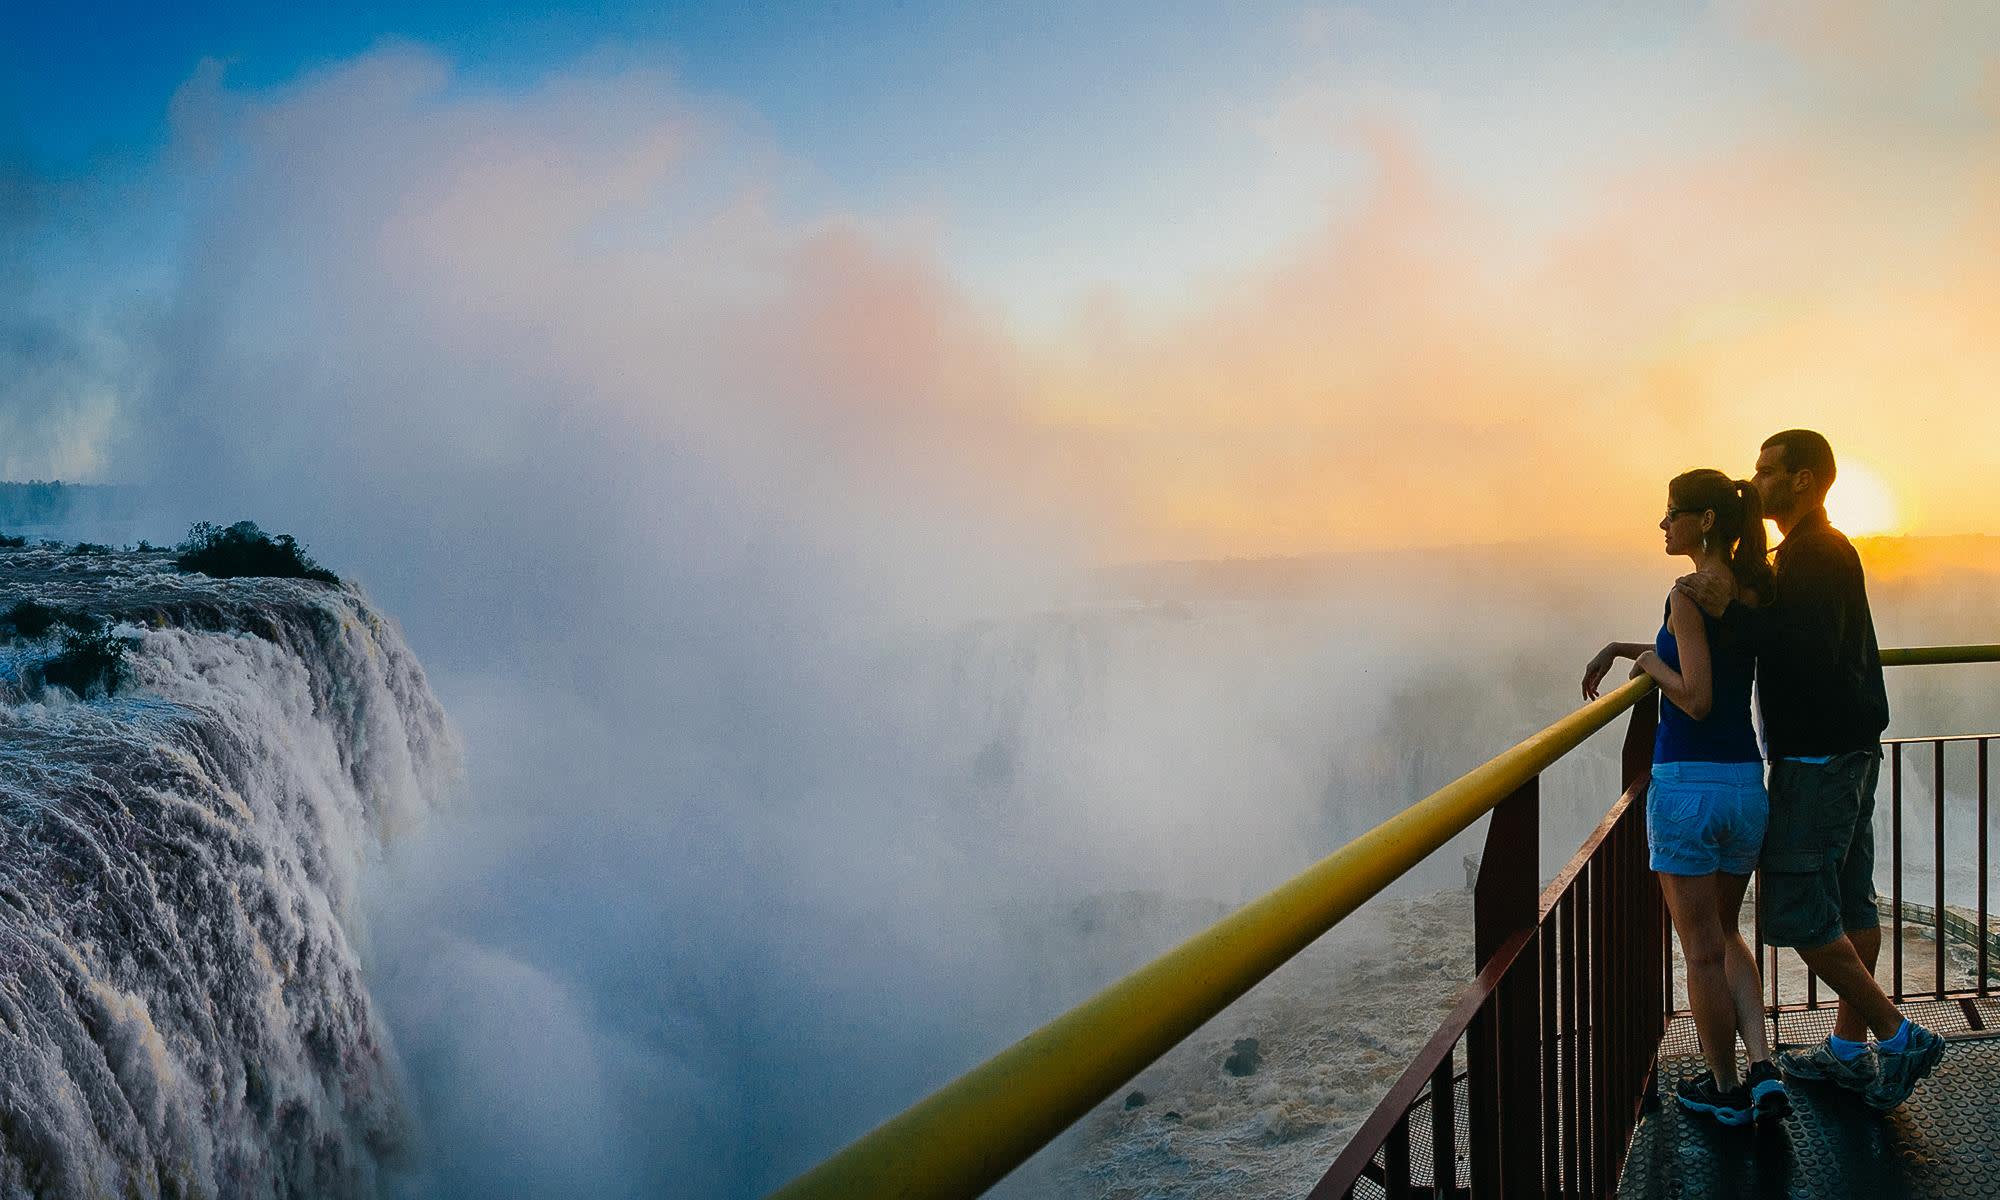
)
(1944, 1141)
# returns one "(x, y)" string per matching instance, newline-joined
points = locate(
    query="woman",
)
(1706, 809)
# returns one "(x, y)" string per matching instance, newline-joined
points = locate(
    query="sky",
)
(1266, 278)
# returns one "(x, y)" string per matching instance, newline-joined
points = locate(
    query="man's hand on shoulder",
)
(1712, 592)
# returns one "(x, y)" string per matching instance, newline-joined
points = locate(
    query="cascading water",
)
(182, 1008)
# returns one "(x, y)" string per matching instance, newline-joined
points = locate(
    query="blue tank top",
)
(1726, 736)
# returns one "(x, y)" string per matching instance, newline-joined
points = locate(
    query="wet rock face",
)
(1244, 1058)
(182, 1008)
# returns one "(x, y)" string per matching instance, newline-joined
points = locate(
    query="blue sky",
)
(1053, 148)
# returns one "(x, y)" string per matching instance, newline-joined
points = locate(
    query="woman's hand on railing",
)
(1600, 666)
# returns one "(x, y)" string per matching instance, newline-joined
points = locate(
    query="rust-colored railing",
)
(1557, 1033)
(1945, 923)
(1560, 1031)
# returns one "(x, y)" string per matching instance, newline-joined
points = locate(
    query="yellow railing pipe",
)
(1937, 656)
(966, 1136)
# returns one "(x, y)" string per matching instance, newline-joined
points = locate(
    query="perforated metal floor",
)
(1944, 1141)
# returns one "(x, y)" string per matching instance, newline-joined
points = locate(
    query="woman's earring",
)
(1704, 543)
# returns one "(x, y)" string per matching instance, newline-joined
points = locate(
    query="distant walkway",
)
(1945, 1141)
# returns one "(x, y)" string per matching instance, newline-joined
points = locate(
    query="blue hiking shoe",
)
(1902, 1069)
(1699, 1094)
(1769, 1101)
(1819, 1064)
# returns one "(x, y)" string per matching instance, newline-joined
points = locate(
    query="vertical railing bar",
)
(1586, 1023)
(1984, 936)
(1502, 1117)
(1572, 1089)
(1591, 1065)
(1444, 1129)
(1551, 1058)
(1601, 1060)
(1620, 969)
(1586, 1052)
(1614, 1016)
(1896, 867)
(1757, 932)
(1937, 856)
(1621, 881)
(1396, 1160)
(1666, 963)
(1604, 959)
(1483, 1092)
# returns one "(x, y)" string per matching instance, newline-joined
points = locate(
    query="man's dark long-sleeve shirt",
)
(1819, 671)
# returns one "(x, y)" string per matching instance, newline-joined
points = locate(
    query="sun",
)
(1859, 504)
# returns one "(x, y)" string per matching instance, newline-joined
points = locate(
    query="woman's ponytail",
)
(1748, 560)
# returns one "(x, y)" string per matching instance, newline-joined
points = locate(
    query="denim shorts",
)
(1704, 817)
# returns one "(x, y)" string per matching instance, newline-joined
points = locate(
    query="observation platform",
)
(1943, 1141)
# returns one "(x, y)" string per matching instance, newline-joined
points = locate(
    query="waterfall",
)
(182, 1006)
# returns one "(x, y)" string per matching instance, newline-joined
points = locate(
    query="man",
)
(1819, 682)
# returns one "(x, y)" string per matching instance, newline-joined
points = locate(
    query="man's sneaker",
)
(1768, 1098)
(1699, 1094)
(1900, 1072)
(1819, 1064)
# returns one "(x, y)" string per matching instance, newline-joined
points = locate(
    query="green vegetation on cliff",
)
(243, 549)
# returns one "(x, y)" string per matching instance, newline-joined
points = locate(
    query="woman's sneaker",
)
(1699, 1094)
(1768, 1098)
(1901, 1070)
(1818, 1063)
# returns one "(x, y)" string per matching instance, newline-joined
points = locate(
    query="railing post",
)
(1636, 759)
(1503, 1072)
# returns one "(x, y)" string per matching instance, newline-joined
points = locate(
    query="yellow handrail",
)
(1936, 656)
(966, 1136)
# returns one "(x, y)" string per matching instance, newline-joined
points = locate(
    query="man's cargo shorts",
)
(1819, 849)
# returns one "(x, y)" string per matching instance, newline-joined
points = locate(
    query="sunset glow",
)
(1860, 504)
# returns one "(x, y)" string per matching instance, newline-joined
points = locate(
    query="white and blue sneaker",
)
(1769, 1100)
(1902, 1068)
(1699, 1094)
(1819, 1064)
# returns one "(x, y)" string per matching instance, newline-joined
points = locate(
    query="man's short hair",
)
(1805, 451)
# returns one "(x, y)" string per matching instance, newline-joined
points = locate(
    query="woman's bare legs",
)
(1693, 902)
(1746, 982)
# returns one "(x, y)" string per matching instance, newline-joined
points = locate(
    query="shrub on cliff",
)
(32, 620)
(244, 549)
(86, 660)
